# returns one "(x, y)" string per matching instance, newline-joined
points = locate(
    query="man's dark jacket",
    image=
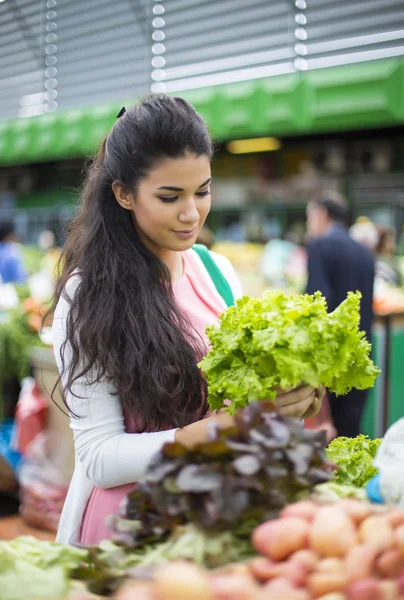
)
(338, 265)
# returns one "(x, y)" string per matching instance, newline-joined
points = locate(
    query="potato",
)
(377, 532)
(389, 589)
(181, 581)
(135, 589)
(330, 565)
(282, 589)
(366, 589)
(359, 562)
(303, 510)
(357, 510)
(280, 538)
(332, 533)
(399, 538)
(295, 572)
(320, 584)
(233, 587)
(390, 564)
(395, 517)
(308, 558)
(262, 568)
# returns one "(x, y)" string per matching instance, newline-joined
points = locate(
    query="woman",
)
(387, 266)
(132, 306)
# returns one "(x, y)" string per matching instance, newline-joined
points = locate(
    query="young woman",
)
(132, 305)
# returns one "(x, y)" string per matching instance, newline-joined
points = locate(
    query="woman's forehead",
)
(188, 170)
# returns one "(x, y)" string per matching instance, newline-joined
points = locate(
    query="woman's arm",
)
(110, 456)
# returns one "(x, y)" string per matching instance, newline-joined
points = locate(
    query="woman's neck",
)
(174, 263)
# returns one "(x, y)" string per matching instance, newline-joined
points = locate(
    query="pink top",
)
(203, 307)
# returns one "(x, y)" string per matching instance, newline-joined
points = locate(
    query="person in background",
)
(365, 232)
(386, 262)
(12, 268)
(46, 242)
(337, 264)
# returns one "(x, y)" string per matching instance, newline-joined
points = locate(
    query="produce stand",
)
(46, 375)
(385, 405)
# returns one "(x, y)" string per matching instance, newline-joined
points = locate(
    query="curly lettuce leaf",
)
(30, 568)
(278, 341)
(354, 458)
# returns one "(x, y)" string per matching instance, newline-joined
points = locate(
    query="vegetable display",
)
(30, 568)
(277, 342)
(243, 474)
(351, 550)
(354, 458)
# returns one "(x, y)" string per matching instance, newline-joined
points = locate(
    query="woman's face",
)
(171, 203)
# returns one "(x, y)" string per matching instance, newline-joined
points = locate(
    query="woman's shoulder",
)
(67, 295)
(227, 270)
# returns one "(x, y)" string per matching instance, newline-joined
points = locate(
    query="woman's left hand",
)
(302, 402)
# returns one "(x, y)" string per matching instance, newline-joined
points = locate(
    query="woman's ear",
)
(123, 197)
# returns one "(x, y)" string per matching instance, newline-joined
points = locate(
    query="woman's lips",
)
(186, 233)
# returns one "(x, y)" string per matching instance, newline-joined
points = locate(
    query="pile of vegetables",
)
(346, 551)
(202, 504)
(30, 568)
(278, 341)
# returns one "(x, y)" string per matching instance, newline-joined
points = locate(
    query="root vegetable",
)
(135, 589)
(330, 565)
(181, 581)
(280, 538)
(234, 587)
(359, 562)
(303, 510)
(282, 589)
(262, 568)
(377, 532)
(367, 589)
(295, 572)
(320, 584)
(357, 510)
(308, 558)
(399, 538)
(390, 564)
(332, 533)
(395, 517)
(389, 589)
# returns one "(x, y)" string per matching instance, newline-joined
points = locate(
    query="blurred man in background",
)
(12, 269)
(337, 265)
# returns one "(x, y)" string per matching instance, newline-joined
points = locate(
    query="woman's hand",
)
(197, 433)
(302, 402)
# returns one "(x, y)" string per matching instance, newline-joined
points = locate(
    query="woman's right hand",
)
(197, 433)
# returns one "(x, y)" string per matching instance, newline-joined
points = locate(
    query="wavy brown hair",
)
(123, 323)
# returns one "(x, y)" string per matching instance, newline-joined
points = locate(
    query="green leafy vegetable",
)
(278, 341)
(334, 491)
(354, 458)
(30, 568)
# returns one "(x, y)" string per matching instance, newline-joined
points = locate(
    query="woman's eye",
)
(205, 193)
(168, 198)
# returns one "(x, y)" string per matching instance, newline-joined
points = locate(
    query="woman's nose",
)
(189, 212)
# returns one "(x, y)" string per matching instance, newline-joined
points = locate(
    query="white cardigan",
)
(105, 455)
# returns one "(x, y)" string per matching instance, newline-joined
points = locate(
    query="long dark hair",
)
(123, 323)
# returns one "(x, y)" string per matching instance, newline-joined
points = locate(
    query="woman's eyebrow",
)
(178, 189)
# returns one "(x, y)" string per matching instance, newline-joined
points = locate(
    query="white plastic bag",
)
(44, 482)
(389, 461)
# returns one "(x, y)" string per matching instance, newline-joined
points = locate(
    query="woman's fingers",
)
(300, 394)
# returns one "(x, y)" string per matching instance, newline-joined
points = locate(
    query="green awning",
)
(361, 95)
